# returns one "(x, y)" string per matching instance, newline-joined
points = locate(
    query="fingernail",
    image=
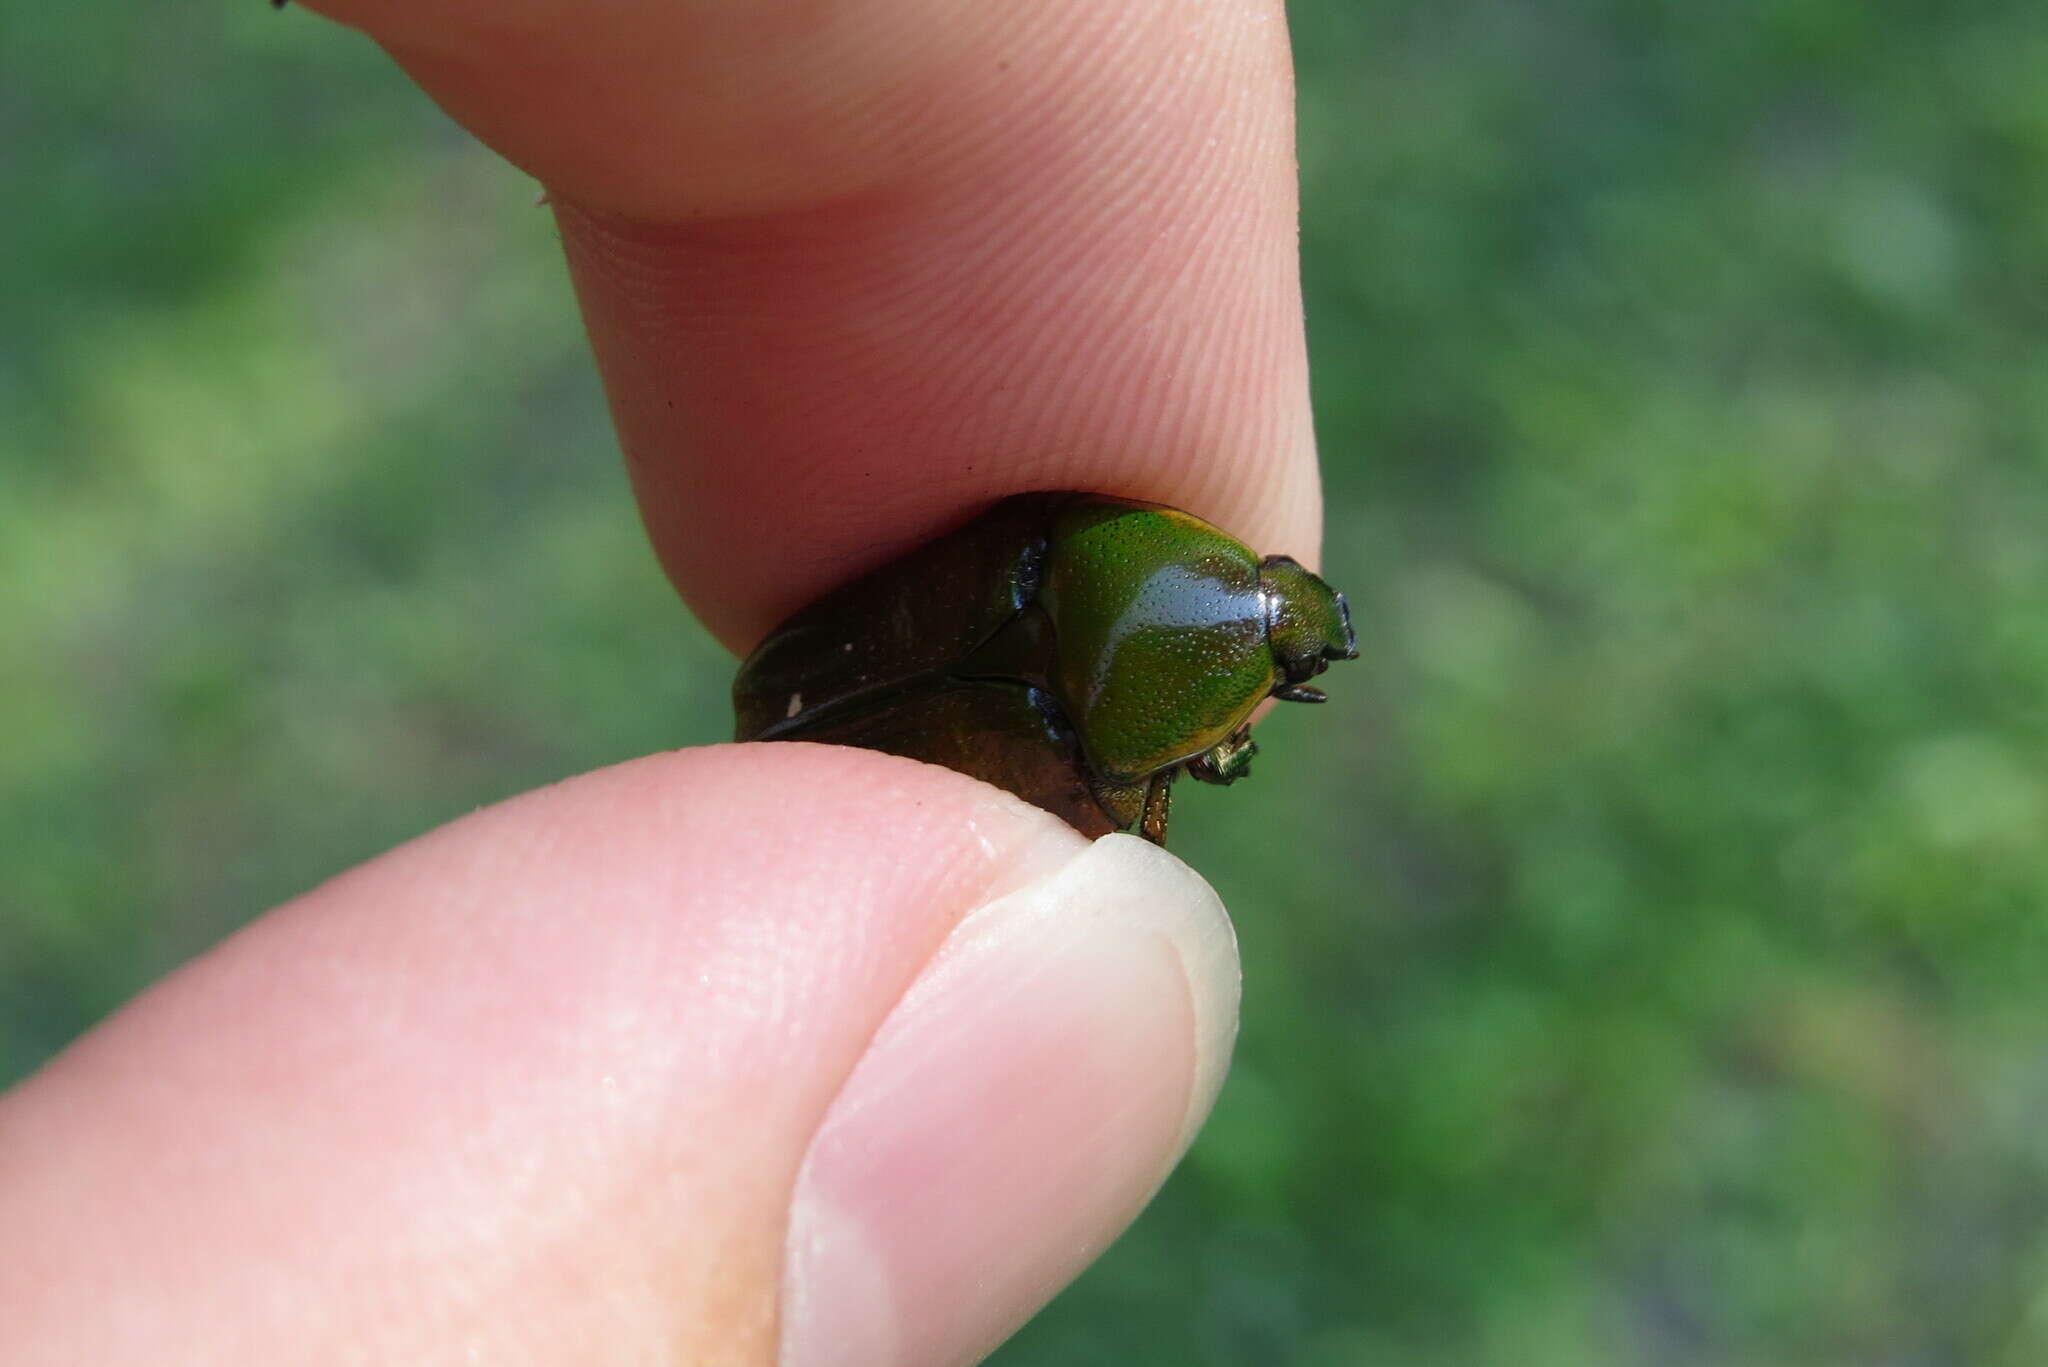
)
(1014, 1113)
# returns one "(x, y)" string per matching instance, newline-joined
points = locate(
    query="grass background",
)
(1654, 971)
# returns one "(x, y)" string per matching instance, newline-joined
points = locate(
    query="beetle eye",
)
(1302, 668)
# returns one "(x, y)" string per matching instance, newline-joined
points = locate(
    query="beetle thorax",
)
(1161, 637)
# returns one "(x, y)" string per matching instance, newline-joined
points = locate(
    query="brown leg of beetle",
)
(1158, 805)
(1122, 803)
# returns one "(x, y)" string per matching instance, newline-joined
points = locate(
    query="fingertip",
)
(1014, 1113)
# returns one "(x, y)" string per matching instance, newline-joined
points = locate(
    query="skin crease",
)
(851, 269)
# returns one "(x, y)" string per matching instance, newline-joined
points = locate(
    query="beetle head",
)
(1308, 624)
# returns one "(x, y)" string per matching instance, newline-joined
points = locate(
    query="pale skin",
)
(692, 1059)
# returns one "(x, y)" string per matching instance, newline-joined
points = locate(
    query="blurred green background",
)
(1654, 973)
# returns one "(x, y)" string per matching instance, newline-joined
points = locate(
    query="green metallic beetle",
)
(1079, 650)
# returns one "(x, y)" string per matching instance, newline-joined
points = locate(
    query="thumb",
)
(1016, 1110)
(734, 1055)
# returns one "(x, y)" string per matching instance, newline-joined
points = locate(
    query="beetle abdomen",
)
(914, 616)
(1001, 733)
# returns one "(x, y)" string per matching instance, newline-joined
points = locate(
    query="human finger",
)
(854, 270)
(693, 1059)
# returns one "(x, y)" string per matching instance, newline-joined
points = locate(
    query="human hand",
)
(758, 1049)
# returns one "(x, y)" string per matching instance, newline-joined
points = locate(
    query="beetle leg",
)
(1158, 806)
(1141, 806)
(1122, 803)
(1227, 762)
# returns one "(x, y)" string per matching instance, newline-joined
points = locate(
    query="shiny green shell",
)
(1076, 649)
